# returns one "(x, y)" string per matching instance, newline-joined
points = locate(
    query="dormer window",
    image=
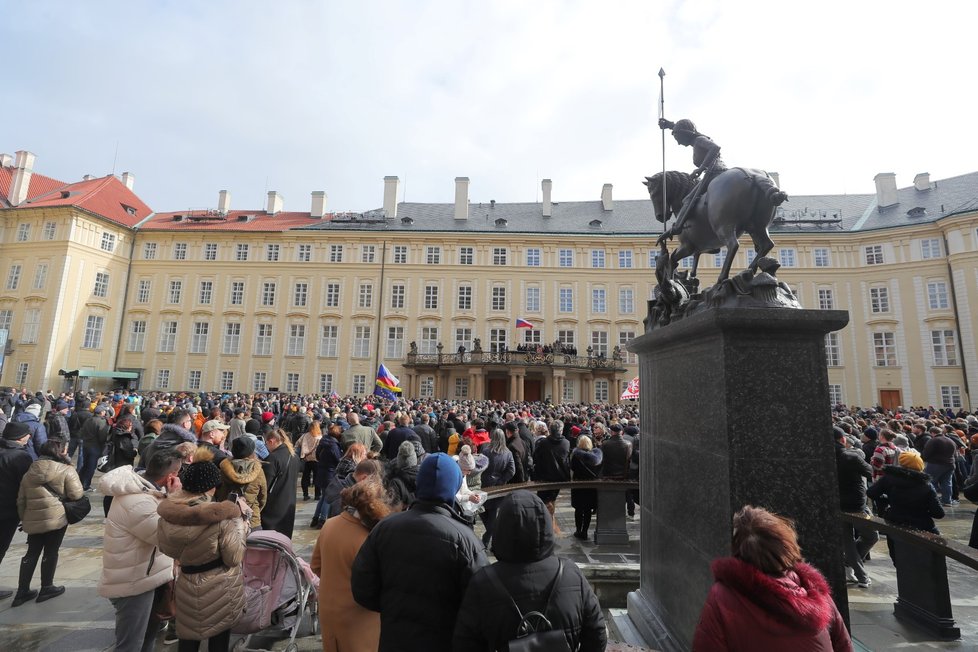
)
(501, 222)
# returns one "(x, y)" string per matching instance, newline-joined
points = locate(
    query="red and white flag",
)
(631, 391)
(522, 323)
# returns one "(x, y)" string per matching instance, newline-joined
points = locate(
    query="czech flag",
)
(522, 323)
(387, 383)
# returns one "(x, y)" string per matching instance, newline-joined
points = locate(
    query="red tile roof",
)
(38, 186)
(203, 220)
(106, 196)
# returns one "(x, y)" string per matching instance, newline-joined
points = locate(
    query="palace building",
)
(98, 290)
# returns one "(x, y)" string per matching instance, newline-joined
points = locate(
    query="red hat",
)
(267, 416)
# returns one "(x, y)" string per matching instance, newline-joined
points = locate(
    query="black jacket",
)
(617, 457)
(14, 462)
(852, 468)
(414, 568)
(516, 447)
(940, 450)
(95, 432)
(281, 472)
(907, 498)
(77, 419)
(551, 459)
(524, 545)
(429, 440)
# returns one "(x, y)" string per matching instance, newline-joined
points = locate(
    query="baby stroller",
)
(281, 594)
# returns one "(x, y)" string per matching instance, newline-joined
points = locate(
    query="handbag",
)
(534, 633)
(75, 510)
(165, 601)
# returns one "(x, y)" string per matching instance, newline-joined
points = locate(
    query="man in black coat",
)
(14, 462)
(429, 440)
(617, 453)
(402, 433)
(551, 463)
(415, 565)
(94, 435)
(853, 472)
(939, 459)
(527, 568)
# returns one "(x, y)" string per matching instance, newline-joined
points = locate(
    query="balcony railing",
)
(509, 358)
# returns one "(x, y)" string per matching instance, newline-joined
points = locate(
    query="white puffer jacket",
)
(131, 560)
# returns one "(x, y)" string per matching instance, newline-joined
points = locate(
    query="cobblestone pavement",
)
(81, 621)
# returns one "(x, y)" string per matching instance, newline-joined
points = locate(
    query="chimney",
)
(922, 181)
(129, 179)
(87, 177)
(461, 198)
(6, 160)
(776, 178)
(23, 169)
(275, 202)
(318, 204)
(224, 202)
(886, 190)
(607, 203)
(548, 208)
(390, 197)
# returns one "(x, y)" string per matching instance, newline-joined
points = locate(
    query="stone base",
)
(646, 620)
(611, 529)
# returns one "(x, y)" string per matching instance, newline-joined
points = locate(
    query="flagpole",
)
(662, 114)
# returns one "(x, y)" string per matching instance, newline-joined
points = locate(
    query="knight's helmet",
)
(685, 125)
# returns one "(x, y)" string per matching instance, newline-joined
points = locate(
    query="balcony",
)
(538, 359)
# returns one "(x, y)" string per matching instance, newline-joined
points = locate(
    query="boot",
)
(23, 595)
(48, 592)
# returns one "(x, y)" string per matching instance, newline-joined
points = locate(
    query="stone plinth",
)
(735, 411)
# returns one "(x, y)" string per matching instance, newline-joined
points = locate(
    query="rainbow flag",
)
(387, 383)
(522, 323)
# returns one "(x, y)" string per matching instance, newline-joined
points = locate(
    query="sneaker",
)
(850, 576)
(170, 637)
(22, 597)
(954, 503)
(865, 584)
(48, 592)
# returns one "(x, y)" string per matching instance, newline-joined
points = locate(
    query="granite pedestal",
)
(611, 528)
(735, 411)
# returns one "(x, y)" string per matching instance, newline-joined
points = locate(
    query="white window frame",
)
(361, 341)
(296, 344)
(328, 340)
(263, 338)
(534, 257)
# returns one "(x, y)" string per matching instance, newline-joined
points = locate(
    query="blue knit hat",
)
(439, 478)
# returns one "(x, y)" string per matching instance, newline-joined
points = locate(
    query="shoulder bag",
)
(534, 632)
(75, 510)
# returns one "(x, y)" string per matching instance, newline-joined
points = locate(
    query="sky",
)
(297, 96)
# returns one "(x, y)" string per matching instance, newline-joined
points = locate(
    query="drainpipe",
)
(380, 307)
(957, 319)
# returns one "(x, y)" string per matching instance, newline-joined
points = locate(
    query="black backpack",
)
(534, 633)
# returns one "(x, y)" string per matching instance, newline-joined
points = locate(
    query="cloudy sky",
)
(295, 96)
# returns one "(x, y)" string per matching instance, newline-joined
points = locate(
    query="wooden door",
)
(532, 390)
(498, 389)
(890, 399)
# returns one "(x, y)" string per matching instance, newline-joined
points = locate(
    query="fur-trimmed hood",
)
(800, 598)
(907, 476)
(183, 508)
(241, 472)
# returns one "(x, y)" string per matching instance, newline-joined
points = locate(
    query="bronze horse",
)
(737, 201)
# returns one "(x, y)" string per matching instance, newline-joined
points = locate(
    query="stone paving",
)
(81, 621)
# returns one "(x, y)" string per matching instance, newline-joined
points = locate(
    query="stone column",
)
(473, 385)
(514, 377)
(735, 411)
(558, 386)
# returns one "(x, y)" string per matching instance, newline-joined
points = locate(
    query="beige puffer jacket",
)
(194, 531)
(131, 561)
(40, 510)
(246, 478)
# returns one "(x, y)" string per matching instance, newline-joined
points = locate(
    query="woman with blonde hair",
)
(281, 473)
(585, 464)
(346, 625)
(765, 596)
(307, 444)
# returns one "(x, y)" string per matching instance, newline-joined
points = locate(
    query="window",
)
(137, 336)
(874, 255)
(432, 255)
(533, 299)
(325, 383)
(163, 379)
(101, 288)
(142, 291)
(826, 300)
(210, 251)
(565, 300)
(821, 255)
(108, 242)
(232, 339)
(461, 387)
(397, 296)
(567, 338)
(465, 297)
(400, 254)
(597, 258)
(429, 340)
(193, 379)
(565, 257)
(751, 255)
(199, 336)
(570, 391)
(950, 396)
(625, 259)
(227, 381)
(498, 298)
(149, 251)
(297, 340)
(13, 277)
(365, 295)
(168, 337)
(361, 341)
(32, 325)
(937, 295)
(237, 293)
(687, 262)
(835, 395)
(50, 229)
(532, 257)
(241, 252)
(833, 354)
(176, 291)
(332, 295)
(885, 349)
(327, 341)
(499, 255)
(6, 318)
(930, 248)
(431, 297)
(40, 276)
(93, 332)
(532, 336)
(263, 339)
(718, 257)
(359, 384)
(336, 253)
(653, 257)
(271, 253)
(463, 337)
(624, 337)
(427, 389)
(368, 253)
(497, 340)
(395, 342)
(268, 293)
(300, 295)
(259, 381)
(626, 301)
(205, 292)
(292, 382)
(303, 253)
(945, 350)
(180, 251)
(599, 343)
(787, 257)
(598, 304)
(879, 300)
(600, 390)
(466, 255)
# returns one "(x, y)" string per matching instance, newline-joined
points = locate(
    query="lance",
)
(662, 114)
